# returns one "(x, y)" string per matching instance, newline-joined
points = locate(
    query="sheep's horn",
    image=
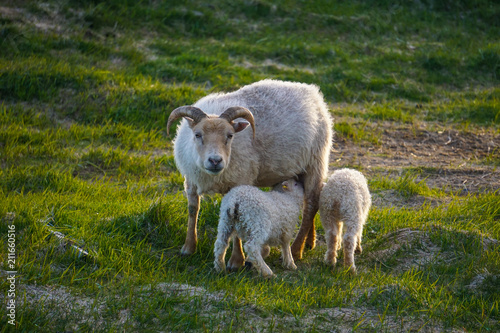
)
(239, 112)
(186, 111)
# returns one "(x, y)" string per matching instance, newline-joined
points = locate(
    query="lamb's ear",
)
(285, 186)
(240, 125)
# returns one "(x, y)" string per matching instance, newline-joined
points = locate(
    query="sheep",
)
(345, 200)
(261, 219)
(291, 137)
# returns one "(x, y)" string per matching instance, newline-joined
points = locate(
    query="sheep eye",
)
(229, 136)
(197, 135)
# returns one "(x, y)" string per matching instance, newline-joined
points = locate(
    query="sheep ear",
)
(240, 125)
(190, 121)
(285, 186)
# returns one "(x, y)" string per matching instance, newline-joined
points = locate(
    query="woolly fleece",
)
(344, 202)
(259, 218)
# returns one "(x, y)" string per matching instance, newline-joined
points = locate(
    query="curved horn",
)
(239, 112)
(186, 111)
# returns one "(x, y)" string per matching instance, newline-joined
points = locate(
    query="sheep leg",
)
(193, 209)
(311, 237)
(350, 242)
(339, 234)
(349, 247)
(266, 249)
(359, 249)
(287, 255)
(333, 232)
(311, 206)
(255, 257)
(220, 247)
(304, 231)
(237, 259)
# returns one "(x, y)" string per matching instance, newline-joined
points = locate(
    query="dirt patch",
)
(346, 318)
(461, 161)
(419, 248)
(423, 249)
(63, 304)
(188, 291)
(392, 199)
(48, 20)
(78, 309)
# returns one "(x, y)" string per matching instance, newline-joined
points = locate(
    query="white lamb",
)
(344, 200)
(261, 219)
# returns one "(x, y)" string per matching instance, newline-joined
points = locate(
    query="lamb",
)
(261, 219)
(344, 200)
(291, 137)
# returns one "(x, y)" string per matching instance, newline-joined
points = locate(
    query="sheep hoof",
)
(219, 267)
(297, 253)
(188, 250)
(291, 266)
(297, 249)
(352, 270)
(297, 256)
(233, 266)
(269, 275)
(310, 245)
(330, 262)
(358, 250)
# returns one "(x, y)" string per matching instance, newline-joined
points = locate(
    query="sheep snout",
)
(214, 164)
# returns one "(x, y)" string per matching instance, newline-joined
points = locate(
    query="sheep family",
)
(267, 219)
(260, 219)
(291, 137)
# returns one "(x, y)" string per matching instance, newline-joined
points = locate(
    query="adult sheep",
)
(291, 137)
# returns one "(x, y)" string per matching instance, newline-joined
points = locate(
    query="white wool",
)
(344, 204)
(292, 134)
(259, 218)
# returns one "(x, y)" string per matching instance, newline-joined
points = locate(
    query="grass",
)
(86, 88)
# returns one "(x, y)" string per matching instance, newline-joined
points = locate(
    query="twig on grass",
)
(65, 241)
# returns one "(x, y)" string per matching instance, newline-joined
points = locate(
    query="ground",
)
(88, 178)
(443, 157)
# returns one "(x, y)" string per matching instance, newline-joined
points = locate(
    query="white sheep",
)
(260, 219)
(291, 137)
(345, 200)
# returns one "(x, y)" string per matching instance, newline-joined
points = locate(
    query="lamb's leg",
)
(340, 225)
(221, 245)
(255, 257)
(333, 234)
(312, 189)
(349, 246)
(193, 209)
(287, 255)
(266, 249)
(359, 249)
(350, 242)
(237, 259)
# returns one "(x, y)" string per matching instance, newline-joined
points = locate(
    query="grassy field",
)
(86, 88)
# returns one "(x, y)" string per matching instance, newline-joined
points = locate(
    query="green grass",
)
(86, 88)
